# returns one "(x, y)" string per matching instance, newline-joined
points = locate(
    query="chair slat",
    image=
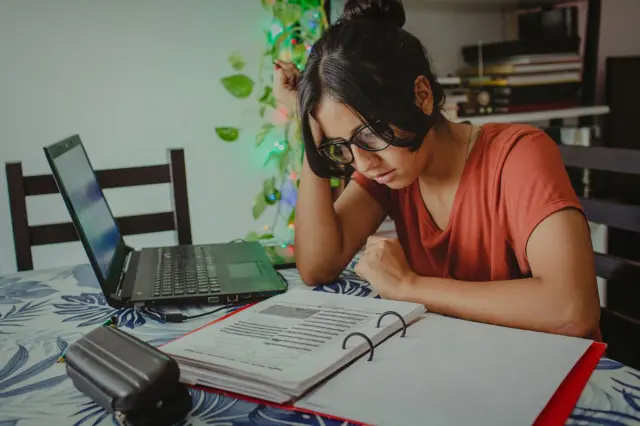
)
(19, 218)
(128, 225)
(111, 178)
(616, 215)
(617, 160)
(607, 266)
(180, 196)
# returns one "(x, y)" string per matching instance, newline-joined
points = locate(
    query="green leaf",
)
(259, 205)
(287, 13)
(268, 186)
(237, 62)
(267, 97)
(273, 197)
(251, 236)
(267, 3)
(267, 236)
(292, 217)
(263, 108)
(264, 131)
(228, 134)
(239, 85)
(283, 161)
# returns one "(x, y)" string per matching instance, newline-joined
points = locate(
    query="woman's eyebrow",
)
(351, 133)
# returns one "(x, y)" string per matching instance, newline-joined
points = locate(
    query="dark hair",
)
(369, 63)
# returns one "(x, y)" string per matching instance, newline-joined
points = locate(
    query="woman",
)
(489, 227)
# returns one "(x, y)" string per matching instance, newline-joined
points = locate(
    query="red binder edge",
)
(556, 412)
(563, 401)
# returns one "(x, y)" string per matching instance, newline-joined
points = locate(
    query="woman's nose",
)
(363, 159)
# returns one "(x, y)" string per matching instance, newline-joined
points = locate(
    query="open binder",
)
(521, 377)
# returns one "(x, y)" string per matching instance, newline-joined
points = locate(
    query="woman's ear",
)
(423, 94)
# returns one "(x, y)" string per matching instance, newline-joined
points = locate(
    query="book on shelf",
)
(526, 79)
(379, 361)
(506, 68)
(497, 51)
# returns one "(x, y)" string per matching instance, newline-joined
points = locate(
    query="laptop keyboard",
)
(188, 270)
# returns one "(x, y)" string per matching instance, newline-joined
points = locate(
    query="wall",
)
(133, 79)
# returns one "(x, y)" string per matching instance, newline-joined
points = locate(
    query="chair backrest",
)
(620, 326)
(26, 236)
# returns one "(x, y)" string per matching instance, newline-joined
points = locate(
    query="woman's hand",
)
(384, 265)
(285, 84)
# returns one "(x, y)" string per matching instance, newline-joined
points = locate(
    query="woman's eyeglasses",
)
(339, 149)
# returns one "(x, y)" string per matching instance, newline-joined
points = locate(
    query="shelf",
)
(528, 117)
(482, 5)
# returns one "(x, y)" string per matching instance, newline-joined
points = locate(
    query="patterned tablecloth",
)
(41, 312)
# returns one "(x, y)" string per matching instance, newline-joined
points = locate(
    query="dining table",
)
(42, 312)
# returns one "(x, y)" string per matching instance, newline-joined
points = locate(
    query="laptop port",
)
(231, 298)
(245, 296)
(213, 299)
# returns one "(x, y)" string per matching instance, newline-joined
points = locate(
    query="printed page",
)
(448, 371)
(291, 340)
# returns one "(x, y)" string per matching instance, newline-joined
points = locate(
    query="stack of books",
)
(455, 95)
(537, 72)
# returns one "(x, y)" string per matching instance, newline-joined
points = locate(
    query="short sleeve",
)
(381, 193)
(534, 184)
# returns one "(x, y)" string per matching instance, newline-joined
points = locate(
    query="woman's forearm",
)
(528, 303)
(318, 237)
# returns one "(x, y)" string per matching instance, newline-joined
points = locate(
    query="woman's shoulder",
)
(500, 140)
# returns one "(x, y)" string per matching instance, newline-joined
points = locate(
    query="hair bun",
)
(387, 11)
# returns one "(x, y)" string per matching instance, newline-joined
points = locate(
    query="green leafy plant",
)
(295, 26)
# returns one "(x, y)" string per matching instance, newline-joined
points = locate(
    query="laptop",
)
(177, 275)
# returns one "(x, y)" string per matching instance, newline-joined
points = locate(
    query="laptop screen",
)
(88, 203)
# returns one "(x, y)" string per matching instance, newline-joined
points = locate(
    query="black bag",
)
(128, 378)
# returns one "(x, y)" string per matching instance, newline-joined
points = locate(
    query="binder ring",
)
(356, 333)
(404, 324)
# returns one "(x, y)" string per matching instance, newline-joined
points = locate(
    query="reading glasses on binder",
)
(370, 137)
(365, 337)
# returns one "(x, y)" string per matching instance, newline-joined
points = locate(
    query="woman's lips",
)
(385, 177)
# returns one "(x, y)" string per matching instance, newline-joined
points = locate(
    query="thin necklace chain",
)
(469, 142)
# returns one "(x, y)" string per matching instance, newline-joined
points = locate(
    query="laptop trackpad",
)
(243, 270)
(247, 277)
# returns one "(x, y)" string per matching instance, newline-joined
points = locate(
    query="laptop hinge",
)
(125, 268)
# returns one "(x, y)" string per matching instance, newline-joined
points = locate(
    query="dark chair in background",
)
(25, 236)
(620, 323)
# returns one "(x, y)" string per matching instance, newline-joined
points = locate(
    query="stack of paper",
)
(281, 347)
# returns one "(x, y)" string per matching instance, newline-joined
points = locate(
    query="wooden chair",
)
(620, 326)
(26, 236)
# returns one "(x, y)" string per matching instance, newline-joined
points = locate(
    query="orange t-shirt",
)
(514, 178)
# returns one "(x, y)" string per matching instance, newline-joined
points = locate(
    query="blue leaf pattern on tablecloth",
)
(44, 310)
(211, 408)
(10, 376)
(16, 317)
(90, 308)
(608, 364)
(267, 415)
(91, 412)
(14, 291)
(348, 285)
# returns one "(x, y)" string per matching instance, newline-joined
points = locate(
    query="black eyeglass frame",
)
(349, 142)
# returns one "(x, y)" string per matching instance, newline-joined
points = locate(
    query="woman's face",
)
(393, 166)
